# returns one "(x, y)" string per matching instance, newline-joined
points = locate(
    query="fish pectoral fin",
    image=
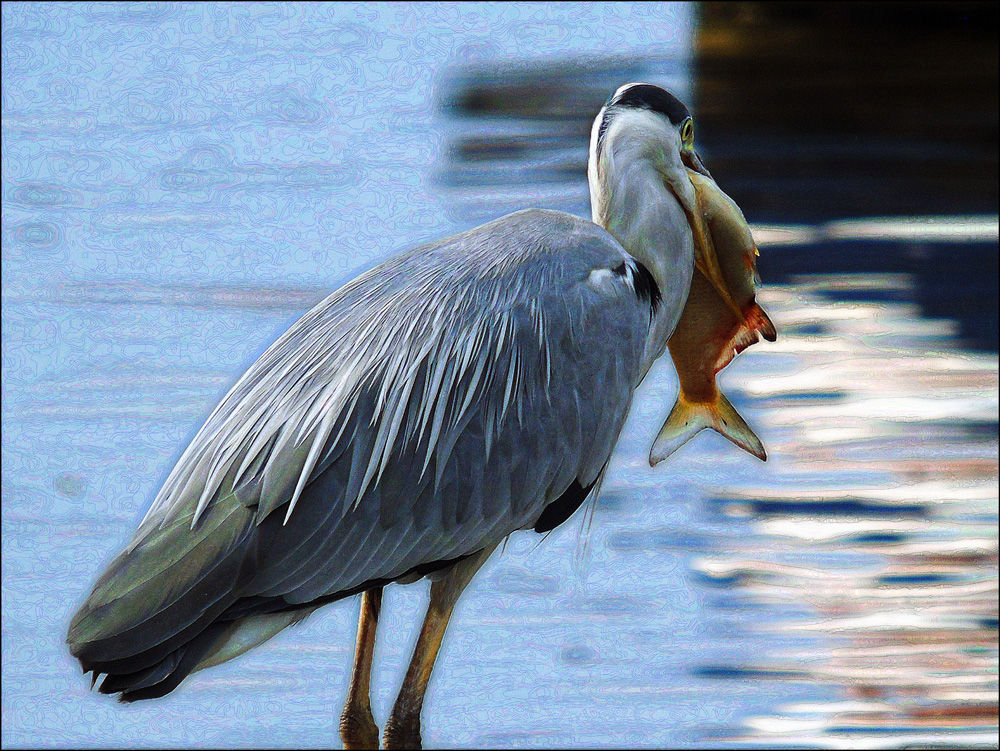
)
(756, 325)
(759, 321)
(688, 418)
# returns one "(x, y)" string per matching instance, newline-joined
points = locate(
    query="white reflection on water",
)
(900, 567)
(951, 229)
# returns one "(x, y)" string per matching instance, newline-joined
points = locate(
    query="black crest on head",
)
(643, 96)
(648, 97)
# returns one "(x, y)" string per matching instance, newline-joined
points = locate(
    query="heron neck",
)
(630, 199)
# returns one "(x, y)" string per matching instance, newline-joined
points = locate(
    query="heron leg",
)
(357, 724)
(402, 729)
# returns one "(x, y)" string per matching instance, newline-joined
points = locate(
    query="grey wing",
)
(515, 388)
(427, 409)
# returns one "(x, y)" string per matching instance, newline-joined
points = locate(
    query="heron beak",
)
(705, 258)
(693, 161)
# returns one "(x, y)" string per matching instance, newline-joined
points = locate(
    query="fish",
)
(711, 332)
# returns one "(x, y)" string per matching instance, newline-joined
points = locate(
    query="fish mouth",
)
(705, 258)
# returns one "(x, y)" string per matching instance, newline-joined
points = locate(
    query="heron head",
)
(642, 142)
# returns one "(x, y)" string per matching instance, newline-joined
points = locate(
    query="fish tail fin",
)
(688, 418)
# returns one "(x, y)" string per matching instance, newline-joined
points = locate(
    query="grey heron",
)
(409, 423)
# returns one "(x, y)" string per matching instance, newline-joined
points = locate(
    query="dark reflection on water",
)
(813, 111)
(955, 280)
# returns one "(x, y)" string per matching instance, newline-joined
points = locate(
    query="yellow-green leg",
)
(357, 724)
(402, 730)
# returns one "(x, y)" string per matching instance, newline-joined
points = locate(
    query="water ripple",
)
(151, 13)
(39, 237)
(288, 105)
(38, 195)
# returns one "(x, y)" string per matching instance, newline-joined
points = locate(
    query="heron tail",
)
(159, 609)
(688, 418)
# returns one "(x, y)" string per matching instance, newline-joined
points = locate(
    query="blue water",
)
(180, 182)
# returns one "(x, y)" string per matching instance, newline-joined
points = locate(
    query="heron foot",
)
(357, 728)
(403, 731)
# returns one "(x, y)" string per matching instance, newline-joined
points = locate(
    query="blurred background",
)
(182, 181)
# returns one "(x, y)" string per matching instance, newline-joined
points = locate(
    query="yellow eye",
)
(687, 132)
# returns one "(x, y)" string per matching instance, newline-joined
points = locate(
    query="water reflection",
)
(899, 569)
